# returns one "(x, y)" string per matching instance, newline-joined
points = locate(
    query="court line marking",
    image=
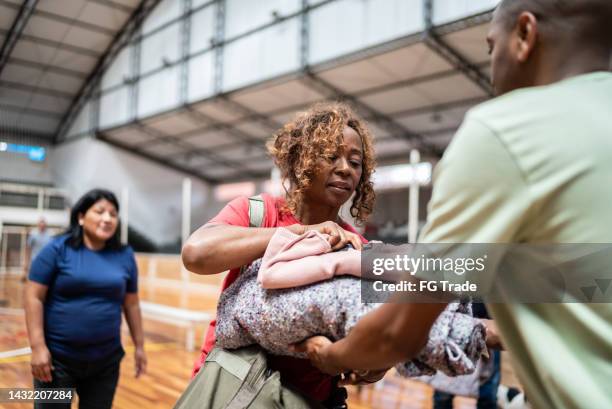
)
(23, 354)
(12, 311)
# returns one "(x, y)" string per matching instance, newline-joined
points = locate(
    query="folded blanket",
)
(248, 314)
(293, 260)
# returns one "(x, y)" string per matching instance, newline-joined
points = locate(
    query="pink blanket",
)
(293, 260)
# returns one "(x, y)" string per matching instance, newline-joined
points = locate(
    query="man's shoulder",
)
(541, 101)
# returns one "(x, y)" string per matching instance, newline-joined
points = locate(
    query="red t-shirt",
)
(298, 372)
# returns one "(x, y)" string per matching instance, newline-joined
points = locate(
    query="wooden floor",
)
(169, 363)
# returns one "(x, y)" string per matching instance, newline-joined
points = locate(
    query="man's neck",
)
(563, 66)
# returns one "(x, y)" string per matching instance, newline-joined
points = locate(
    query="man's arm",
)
(479, 196)
(390, 334)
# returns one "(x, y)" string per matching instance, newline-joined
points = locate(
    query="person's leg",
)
(442, 400)
(487, 393)
(97, 390)
(62, 377)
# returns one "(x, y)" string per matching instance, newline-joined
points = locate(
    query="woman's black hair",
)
(75, 230)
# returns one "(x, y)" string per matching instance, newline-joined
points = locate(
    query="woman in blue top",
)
(78, 285)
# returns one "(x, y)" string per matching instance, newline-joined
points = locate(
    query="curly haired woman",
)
(326, 156)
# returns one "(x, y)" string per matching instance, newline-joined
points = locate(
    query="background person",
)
(78, 285)
(37, 239)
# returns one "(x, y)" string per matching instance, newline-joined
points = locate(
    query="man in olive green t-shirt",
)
(532, 166)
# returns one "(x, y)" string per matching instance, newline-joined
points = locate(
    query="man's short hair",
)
(586, 20)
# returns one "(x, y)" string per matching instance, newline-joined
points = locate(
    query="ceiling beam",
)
(155, 159)
(23, 15)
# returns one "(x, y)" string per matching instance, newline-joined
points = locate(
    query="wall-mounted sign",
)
(35, 153)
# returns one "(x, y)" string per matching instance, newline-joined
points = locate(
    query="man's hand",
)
(493, 338)
(316, 349)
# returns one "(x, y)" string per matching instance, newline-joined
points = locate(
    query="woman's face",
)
(100, 221)
(337, 177)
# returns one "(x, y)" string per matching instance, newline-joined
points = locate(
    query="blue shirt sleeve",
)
(44, 265)
(132, 283)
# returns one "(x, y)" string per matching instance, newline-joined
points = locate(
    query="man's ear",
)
(527, 35)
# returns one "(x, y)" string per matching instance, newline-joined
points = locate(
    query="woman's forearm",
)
(34, 314)
(214, 249)
(133, 318)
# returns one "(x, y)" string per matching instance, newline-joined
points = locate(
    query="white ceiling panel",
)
(403, 64)
(128, 136)
(22, 75)
(30, 51)
(61, 82)
(15, 97)
(209, 139)
(74, 61)
(471, 43)
(92, 40)
(287, 116)
(435, 119)
(260, 166)
(218, 111)
(448, 89)
(7, 16)
(357, 76)
(377, 131)
(101, 15)
(49, 103)
(242, 153)
(46, 28)
(40, 53)
(256, 128)
(163, 149)
(396, 99)
(175, 123)
(272, 98)
(411, 62)
(128, 3)
(55, 7)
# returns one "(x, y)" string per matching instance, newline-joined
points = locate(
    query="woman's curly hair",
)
(314, 134)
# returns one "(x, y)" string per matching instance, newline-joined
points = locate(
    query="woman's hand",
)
(315, 348)
(140, 361)
(41, 363)
(338, 237)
